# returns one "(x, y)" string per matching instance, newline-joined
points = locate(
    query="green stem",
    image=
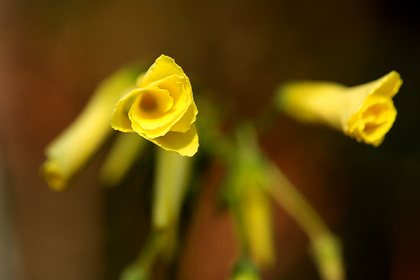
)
(142, 267)
(326, 247)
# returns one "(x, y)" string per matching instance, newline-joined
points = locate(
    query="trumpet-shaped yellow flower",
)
(72, 149)
(161, 109)
(365, 112)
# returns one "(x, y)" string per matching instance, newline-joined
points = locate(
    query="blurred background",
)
(53, 54)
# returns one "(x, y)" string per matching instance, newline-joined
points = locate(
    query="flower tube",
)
(365, 112)
(171, 182)
(72, 149)
(161, 109)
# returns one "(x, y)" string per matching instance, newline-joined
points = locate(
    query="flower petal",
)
(163, 67)
(119, 119)
(149, 106)
(185, 144)
(373, 120)
(156, 125)
(184, 124)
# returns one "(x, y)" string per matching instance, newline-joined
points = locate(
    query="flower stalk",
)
(244, 269)
(326, 247)
(249, 200)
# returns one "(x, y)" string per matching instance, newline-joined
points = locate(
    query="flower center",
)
(148, 103)
(377, 119)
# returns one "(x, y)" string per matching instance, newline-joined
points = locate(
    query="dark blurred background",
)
(53, 54)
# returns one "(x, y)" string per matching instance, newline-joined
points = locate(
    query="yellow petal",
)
(158, 124)
(375, 115)
(185, 144)
(163, 67)
(119, 119)
(151, 104)
(184, 124)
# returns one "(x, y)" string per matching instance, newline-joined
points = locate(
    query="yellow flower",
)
(161, 108)
(72, 149)
(365, 112)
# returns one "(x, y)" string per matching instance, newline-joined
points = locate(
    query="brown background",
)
(53, 53)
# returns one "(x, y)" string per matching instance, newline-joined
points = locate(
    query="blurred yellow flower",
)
(161, 109)
(75, 147)
(365, 112)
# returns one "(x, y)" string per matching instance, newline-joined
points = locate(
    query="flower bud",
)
(171, 180)
(72, 149)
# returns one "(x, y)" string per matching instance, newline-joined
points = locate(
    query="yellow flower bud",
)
(72, 149)
(255, 207)
(365, 112)
(171, 180)
(121, 157)
(161, 109)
